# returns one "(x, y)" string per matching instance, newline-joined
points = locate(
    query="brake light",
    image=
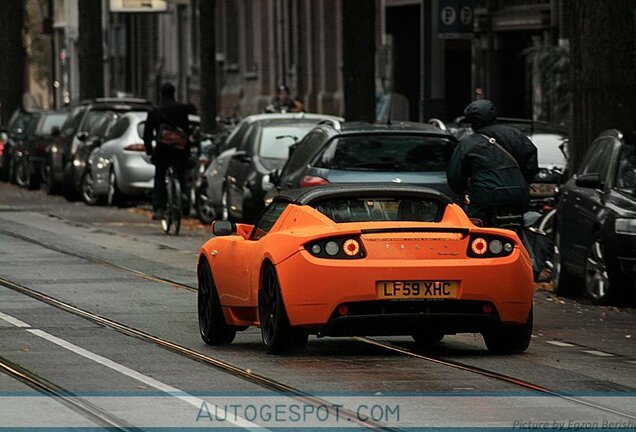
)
(138, 147)
(1, 148)
(309, 181)
(490, 247)
(339, 248)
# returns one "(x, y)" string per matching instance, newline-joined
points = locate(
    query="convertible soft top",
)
(307, 196)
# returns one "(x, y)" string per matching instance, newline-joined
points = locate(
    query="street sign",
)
(455, 19)
(138, 5)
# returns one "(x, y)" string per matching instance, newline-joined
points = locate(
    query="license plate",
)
(398, 290)
(542, 189)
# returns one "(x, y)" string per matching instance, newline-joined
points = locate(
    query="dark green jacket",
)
(489, 176)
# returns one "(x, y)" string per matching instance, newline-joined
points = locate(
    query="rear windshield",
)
(381, 209)
(626, 172)
(275, 140)
(53, 120)
(386, 153)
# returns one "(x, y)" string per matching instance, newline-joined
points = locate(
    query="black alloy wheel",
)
(52, 187)
(602, 286)
(212, 326)
(510, 339)
(278, 336)
(563, 283)
(88, 191)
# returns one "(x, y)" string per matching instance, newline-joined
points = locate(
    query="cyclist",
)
(168, 125)
(494, 165)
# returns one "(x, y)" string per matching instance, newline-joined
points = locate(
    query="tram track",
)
(258, 379)
(76, 404)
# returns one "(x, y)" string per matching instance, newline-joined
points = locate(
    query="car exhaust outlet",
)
(343, 310)
(487, 308)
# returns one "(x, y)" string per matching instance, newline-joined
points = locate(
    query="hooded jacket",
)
(487, 173)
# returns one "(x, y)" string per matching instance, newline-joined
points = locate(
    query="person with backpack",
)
(168, 126)
(493, 166)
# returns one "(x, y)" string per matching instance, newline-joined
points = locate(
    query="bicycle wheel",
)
(166, 222)
(177, 209)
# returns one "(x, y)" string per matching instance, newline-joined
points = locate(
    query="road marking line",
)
(151, 382)
(16, 322)
(631, 361)
(559, 344)
(599, 353)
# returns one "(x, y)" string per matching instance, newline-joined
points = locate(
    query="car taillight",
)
(490, 247)
(1, 148)
(309, 181)
(138, 147)
(339, 248)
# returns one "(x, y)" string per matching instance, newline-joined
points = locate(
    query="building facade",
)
(264, 43)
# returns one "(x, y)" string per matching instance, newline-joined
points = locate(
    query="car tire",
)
(114, 197)
(68, 185)
(22, 174)
(277, 334)
(52, 187)
(11, 170)
(213, 328)
(563, 283)
(88, 192)
(510, 339)
(602, 286)
(205, 211)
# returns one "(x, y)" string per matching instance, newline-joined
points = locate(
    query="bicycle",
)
(174, 211)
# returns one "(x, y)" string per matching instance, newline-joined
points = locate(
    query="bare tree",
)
(91, 53)
(207, 33)
(13, 57)
(603, 70)
(358, 59)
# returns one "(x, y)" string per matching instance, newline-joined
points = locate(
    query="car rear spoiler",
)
(463, 231)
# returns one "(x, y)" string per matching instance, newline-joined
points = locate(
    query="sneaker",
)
(157, 215)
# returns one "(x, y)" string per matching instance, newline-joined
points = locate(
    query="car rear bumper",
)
(504, 283)
(135, 174)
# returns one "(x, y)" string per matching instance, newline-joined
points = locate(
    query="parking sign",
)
(455, 19)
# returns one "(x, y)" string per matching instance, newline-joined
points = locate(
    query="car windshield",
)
(52, 120)
(548, 152)
(386, 153)
(626, 172)
(380, 209)
(275, 140)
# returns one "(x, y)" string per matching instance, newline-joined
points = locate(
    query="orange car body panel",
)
(312, 287)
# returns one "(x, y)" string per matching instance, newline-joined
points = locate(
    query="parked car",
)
(359, 152)
(119, 168)
(363, 260)
(213, 201)
(595, 235)
(29, 154)
(75, 171)
(15, 134)
(76, 128)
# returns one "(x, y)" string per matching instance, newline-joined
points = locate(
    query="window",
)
(599, 158)
(381, 209)
(51, 121)
(92, 119)
(301, 155)
(386, 153)
(248, 139)
(235, 137)
(276, 140)
(118, 129)
(626, 173)
(32, 125)
(267, 220)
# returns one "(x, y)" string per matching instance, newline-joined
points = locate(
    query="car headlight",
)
(625, 226)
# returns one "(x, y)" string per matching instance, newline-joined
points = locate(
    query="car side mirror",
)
(590, 181)
(223, 228)
(292, 148)
(55, 131)
(82, 136)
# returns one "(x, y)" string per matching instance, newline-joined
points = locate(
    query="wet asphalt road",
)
(577, 348)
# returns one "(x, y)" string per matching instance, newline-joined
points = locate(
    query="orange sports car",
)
(384, 259)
